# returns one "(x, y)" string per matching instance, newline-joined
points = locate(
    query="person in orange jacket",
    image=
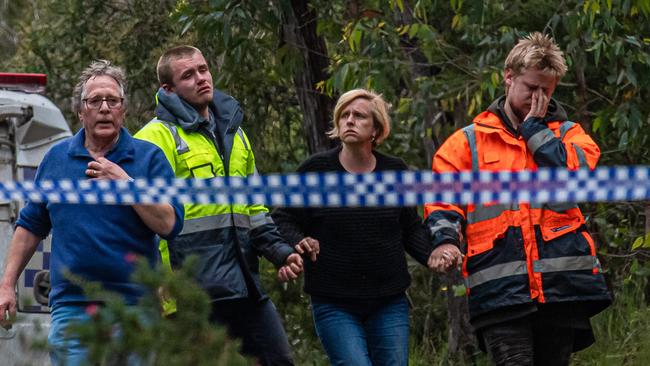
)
(531, 272)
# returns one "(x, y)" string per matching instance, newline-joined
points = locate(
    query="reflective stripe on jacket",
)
(518, 253)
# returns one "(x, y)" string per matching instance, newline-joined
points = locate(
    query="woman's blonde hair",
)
(536, 51)
(378, 107)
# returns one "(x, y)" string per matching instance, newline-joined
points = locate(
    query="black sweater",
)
(361, 248)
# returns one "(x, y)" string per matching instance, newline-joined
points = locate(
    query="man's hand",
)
(159, 218)
(7, 306)
(310, 246)
(291, 269)
(539, 104)
(445, 257)
(103, 168)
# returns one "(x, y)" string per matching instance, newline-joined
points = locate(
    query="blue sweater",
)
(95, 241)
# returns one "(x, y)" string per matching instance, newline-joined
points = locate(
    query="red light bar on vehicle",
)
(31, 83)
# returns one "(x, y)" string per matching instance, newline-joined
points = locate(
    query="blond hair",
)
(536, 51)
(164, 68)
(378, 107)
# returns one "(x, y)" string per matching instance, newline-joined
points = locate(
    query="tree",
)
(61, 38)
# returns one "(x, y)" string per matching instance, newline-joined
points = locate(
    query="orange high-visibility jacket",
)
(520, 253)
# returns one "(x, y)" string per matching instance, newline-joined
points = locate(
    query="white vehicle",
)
(29, 125)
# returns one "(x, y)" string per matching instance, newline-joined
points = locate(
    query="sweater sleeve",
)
(160, 167)
(292, 221)
(35, 217)
(417, 241)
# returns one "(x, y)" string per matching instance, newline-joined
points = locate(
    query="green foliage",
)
(621, 331)
(255, 65)
(61, 38)
(117, 331)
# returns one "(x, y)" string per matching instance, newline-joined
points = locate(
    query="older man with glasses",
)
(93, 242)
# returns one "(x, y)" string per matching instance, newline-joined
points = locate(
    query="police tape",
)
(388, 188)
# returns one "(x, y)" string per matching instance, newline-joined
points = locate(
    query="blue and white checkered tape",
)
(546, 185)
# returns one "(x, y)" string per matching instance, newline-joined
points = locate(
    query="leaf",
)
(187, 26)
(638, 243)
(632, 40)
(623, 141)
(455, 21)
(646, 242)
(340, 77)
(495, 78)
(413, 30)
(459, 290)
(596, 124)
(355, 39)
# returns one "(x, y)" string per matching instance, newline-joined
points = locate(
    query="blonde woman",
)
(358, 274)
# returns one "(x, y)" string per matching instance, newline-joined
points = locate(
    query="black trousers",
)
(259, 327)
(528, 341)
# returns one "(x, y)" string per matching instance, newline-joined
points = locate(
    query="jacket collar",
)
(172, 108)
(123, 150)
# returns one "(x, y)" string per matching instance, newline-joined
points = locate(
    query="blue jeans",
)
(66, 349)
(363, 332)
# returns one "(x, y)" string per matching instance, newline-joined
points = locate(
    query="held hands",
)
(310, 246)
(444, 258)
(539, 104)
(103, 168)
(291, 269)
(294, 267)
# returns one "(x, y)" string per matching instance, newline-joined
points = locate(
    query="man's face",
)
(521, 88)
(102, 110)
(192, 80)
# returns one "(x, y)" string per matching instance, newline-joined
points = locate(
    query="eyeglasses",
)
(96, 102)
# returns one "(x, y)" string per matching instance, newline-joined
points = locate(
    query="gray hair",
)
(95, 69)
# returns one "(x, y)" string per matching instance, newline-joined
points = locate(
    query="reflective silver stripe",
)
(181, 145)
(539, 139)
(565, 127)
(215, 222)
(470, 135)
(582, 159)
(260, 219)
(240, 132)
(577, 263)
(242, 221)
(444, 224)
(482, 213)
(496, 272)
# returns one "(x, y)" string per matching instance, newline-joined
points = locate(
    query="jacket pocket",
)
(215, 268)
(480, 237)
(491, 221)
(201, 165)
(555, 223)
(490, 157)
